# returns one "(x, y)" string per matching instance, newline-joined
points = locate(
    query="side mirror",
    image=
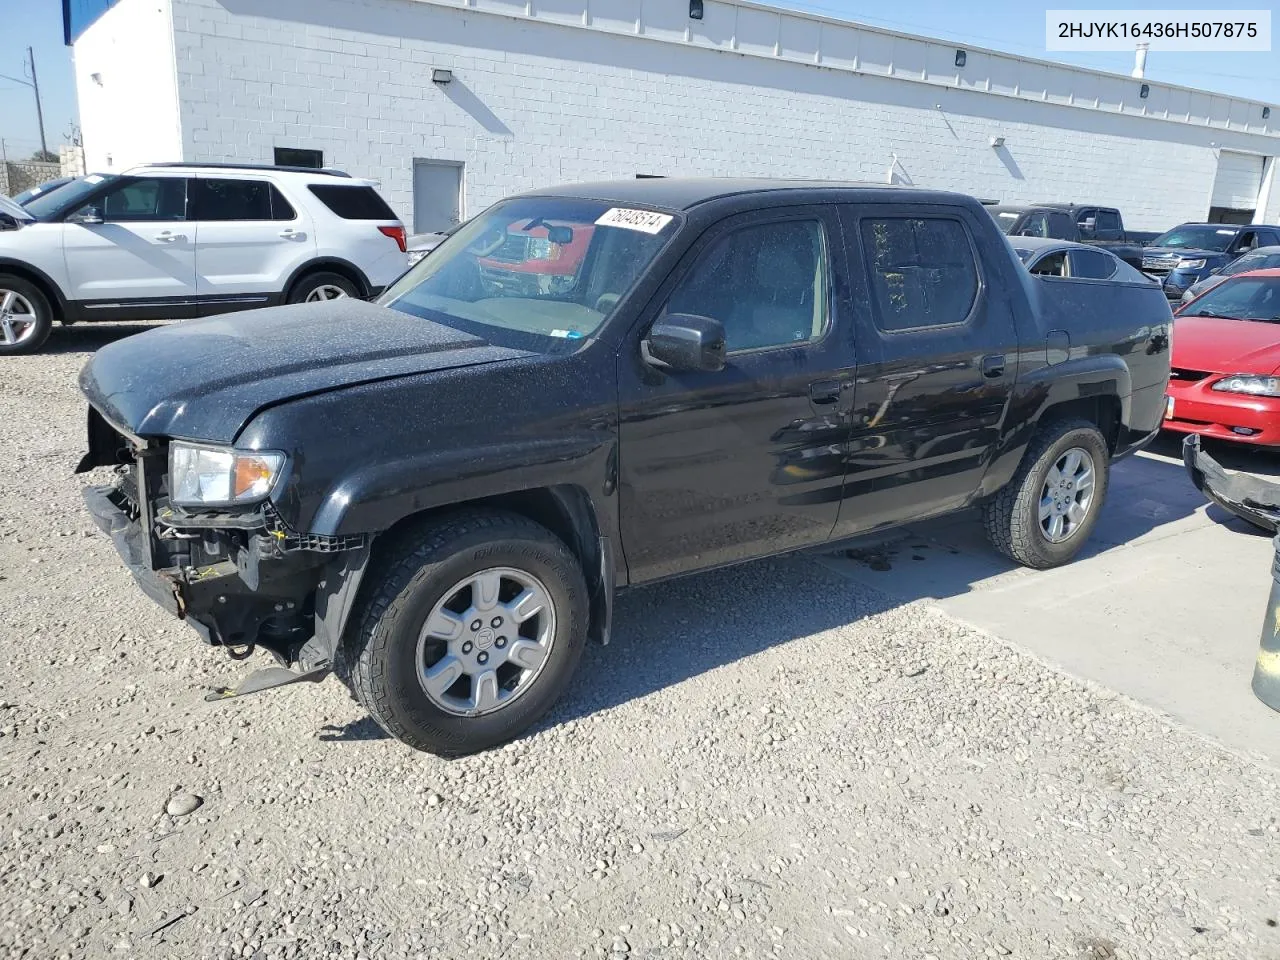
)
(684, 341)
(8, 222)
(88, 216)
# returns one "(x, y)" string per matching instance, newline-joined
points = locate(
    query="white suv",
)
(174, 240)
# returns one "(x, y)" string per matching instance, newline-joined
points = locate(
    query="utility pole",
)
(35, 85)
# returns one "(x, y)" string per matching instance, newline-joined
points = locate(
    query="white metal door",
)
(1238, 181)
(251, 239)
(137, 245)
(437, 195)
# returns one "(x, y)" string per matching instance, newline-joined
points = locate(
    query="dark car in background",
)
(1192, 252)
(1076, 261)
(1264, 258)
(40, 189)
(1096, 226)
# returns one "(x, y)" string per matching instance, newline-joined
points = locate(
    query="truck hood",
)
(205, 379)
(1183, 253)
(1226, 346)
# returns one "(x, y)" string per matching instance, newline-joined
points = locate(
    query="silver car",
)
(1262, 258)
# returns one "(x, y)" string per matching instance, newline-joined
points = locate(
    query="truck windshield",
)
(551, 266)
(1198, 237)
(67, 197)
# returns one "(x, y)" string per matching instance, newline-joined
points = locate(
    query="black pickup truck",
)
(1098, 226)
(438, 495)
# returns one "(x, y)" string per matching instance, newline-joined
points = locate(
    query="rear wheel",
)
(1047, 511)
(469, 633)
(316, 287)
(26, 319)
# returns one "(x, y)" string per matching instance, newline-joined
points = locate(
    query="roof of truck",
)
(682, 193)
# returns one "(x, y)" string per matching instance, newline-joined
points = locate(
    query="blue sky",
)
(1012, 25)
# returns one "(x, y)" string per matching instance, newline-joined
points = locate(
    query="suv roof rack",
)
(325, 171)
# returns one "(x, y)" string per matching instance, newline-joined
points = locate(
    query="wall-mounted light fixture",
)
(997, 143)
(1266, 112)
(441, 76)
(961, 57)
(1144, 91)
(695, 9)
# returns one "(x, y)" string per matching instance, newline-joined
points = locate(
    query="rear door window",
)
(217, 199)
(1092, 265)
(352, 202)
(922, 271)
(1051, 265)
(1108, 225)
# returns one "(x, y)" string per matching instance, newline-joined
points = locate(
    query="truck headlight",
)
(1191, 264)
(202, 476)
(1251, 385)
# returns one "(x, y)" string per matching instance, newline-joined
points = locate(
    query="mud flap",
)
(266, 679)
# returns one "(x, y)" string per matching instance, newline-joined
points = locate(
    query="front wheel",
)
(469, 632)
(26, 319)
(1047, 511)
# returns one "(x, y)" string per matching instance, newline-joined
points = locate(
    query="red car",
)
(1225, 381)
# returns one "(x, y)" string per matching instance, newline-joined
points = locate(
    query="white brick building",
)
(545, 91)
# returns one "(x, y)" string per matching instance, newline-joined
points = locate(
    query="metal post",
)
(35, 85)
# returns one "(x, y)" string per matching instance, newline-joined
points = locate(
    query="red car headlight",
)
(1249, 384)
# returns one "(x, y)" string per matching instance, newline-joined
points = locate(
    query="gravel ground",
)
(767, 762)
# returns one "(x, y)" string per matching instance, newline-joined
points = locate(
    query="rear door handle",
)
(824, 391)
(168, 237)
(289, 234)
(993, 366)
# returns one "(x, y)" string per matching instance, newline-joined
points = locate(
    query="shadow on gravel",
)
(88, 337)
(357, 731)
(671, 632)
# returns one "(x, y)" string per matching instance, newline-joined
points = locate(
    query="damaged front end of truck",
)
(232, 568)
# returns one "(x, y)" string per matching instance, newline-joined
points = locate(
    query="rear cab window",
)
(923, 271)
(352, 201)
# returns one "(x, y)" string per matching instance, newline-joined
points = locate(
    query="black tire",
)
(307, 286)
(1012, 516)
(413, 573)
(34, 331)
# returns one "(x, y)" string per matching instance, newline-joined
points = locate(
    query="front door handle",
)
(168, 237)
(824, 391)
(993, 366)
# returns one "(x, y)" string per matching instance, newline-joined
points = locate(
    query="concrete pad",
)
(1165, 605)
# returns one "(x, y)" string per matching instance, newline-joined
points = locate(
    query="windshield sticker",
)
(567, 334)
(646, 221)
(93, 178)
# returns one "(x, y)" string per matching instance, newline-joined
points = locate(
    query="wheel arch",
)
(344, 268)
(566, 510)
(42, 281)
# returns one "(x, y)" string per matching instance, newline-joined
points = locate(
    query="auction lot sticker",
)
(1233, 31)
(645, 221)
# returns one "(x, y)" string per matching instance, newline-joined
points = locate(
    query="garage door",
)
(1238, 181)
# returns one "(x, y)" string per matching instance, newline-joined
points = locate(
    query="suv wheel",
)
(469, 631)
(322, 286)
(1048, 510)
(26, 319)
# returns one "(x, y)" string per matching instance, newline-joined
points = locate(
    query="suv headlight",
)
(1251, 385)
(201, 476)
(1191, 264)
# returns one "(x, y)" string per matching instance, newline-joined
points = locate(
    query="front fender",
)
(374, 497)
